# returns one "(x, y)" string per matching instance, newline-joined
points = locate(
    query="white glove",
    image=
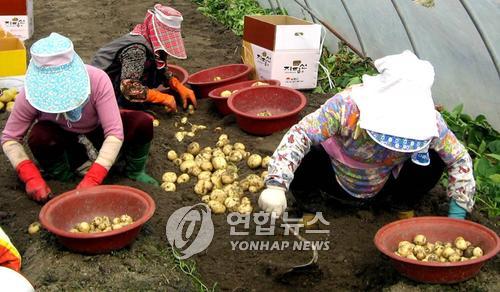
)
(273, 200)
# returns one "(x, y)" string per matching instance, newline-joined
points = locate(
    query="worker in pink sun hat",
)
(137, 61)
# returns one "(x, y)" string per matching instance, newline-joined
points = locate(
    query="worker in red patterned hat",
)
(137, 61)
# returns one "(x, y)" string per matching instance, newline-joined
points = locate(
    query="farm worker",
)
(10, 266)
(382, 137)
(71, 108)
(137, 61)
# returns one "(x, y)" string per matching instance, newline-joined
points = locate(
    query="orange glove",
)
(185, 93)
(154, 96)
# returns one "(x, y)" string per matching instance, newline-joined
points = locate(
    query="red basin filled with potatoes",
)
(221, 102)
(62, 213)
(204, 81)
(437, 229)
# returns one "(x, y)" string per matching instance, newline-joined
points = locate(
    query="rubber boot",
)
(136, 157)
(60, 169)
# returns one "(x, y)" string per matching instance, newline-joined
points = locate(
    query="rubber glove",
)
(36, 187)
(155, 96)
(184, 92)
(94, 176)
(273, 200)
(456, 211)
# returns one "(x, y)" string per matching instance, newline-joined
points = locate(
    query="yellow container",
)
(12, 56)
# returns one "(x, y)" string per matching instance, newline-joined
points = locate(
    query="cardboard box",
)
(12, 55)
(295, 69)
(281, 32)
(16, 16)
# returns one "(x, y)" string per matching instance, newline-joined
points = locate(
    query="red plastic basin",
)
(179, 72)
(437, 228)
(283, 103)
(60, 214)
(221, 102)
(202, 82)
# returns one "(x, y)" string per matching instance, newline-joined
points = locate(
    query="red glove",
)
(94, 176)
(36, 187)
(185, 93)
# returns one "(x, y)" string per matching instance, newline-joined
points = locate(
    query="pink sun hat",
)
(162, 27)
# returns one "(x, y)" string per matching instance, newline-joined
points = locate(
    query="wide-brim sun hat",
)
(57, 80)
(167, 28)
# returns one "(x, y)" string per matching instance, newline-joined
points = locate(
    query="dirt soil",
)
(351, 263)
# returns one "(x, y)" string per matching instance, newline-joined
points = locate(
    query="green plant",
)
(231, 12)
(188, 267)
(343, 68)
(483, 143)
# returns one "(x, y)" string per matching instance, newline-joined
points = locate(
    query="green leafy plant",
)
(231, 12)
(483, 143)
(343, 68)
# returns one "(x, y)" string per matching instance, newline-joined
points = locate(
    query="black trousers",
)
(314, 183)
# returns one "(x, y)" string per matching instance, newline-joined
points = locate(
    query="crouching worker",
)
(380, 138)
(137, 61)
(72, 111)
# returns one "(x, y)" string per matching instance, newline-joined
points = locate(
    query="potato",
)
(216, 181)
(206, 166)
(244, 184)
(187, 156)
(259, 83)
(207, 149)
(204, 175)
(184, 120)
(429, 247)
(190, 109)
(219, 162)
(156, 123)
(411, 257)
(238, 146)
(477, 252)
(226, 149)
(232, 204)
(202, 187)
(222, 143)
(245, 209)
(419, 239)
(235, 156)
(460, 243)
(404, 242)
(180, 136)
(405, 250)
(245, 201)
(217, 207)
(228, 177)
(225, 93)
(116, 226)
(83, 227)
(217, 152)
(2, 105)
(183, 178)
(217, 78)
(418, 249)
(125, 219)
(8, 95)
(254, 161)
(74, 230)
(265, 161)
(116, 220)
(195, 171)
(223, 137)
(34, 228)
(187, 165)
(168, 186)
(9, 106)
(194, 148)
(447, 252)
(438, 250)
(454, 258)
(178, 161)
(169, 177)
(205, 199)
(218, 195)
(420, 255)
(432, 258)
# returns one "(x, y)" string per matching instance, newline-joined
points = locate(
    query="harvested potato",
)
(222, 142)
(206, 166)
(217, 207)
(169, 177)
(187, 156)
(265, 161)
(207, 149)
(477, 252)
(194, 148)
(187, 165)
(178, 161)
(217, 78)
(245, 209)
(447, 252)
(460, 243)
(239, 146)
(190, 109)
(219, 162)
(228, 177)
(245, 201)
(264, 174)
(184, 120)
(223, 137)
(226, 149)
(205, 199)
(419, 239)
(226, 93)
(260, 83)
(180, 136)
(83, 227)
(156, 123)
(195, 171)
(204, 175)
(34, 228)
(116, 226)
(168, 186)
(235, 156)
(254, 161)
(218, 195)
(9, 106)
(232, 204)
(183, 178)
(202, 187)
(171, 155)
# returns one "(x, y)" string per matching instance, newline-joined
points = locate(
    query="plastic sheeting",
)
(461, 38)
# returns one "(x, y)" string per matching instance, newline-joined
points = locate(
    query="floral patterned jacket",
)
(338, 119)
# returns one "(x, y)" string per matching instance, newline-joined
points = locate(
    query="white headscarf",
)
(398, 101)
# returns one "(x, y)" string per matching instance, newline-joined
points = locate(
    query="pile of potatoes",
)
(7, 98)
(421, 250)
(183, 124)
(102, 224)
(215, 170)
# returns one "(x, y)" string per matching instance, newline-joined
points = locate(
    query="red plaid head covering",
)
(162, 28)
